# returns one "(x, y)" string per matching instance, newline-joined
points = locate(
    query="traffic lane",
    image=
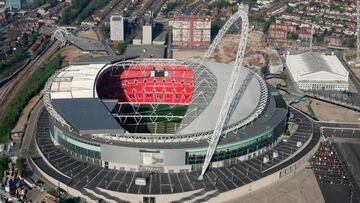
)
(350, 153)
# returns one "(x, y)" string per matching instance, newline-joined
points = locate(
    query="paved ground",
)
(80, 174)
(301, 187)
(344, 144)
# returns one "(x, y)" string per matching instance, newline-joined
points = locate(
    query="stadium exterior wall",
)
(231, 195)
(174, 159)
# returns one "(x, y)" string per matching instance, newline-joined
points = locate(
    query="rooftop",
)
(313, 62)
(97, 120)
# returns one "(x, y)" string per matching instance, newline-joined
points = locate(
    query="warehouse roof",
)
(312, 62)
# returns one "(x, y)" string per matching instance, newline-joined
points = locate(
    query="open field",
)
(186, 54)
(89, 34)
(71, 53)
(329, 112)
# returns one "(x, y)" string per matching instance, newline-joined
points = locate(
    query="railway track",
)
(12, 87)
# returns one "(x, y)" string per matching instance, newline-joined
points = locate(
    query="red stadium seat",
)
(141, 83)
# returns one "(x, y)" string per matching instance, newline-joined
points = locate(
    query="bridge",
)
(62, 34)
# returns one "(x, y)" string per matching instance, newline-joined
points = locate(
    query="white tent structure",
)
(315, 71)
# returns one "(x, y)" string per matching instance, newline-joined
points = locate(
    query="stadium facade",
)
(158, 114)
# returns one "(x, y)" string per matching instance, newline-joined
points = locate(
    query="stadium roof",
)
(101, 60)
(88, 115)
(271, 117)
(76, 81)
(302, 66)
(206, 120)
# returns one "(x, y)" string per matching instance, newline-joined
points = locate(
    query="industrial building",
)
(117, 28)
(316, 71)
(191, 31)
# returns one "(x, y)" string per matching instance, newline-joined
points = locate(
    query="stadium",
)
(157, 114)
(128, 129)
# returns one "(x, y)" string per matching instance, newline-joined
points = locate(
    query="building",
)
(117, 28)
(315, 71)
(2, 14)
(279, 30)
(13, 4)
(333, 40)
(305, 34)
(147, 34)
(130, 129)
(191, 31)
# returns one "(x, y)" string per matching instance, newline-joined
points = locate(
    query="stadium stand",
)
(154, 83)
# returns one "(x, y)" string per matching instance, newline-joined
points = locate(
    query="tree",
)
(216, 25)
(20, 166)
(121, 47)
(3, 164)
(349, 42)
(105, 30)
(292, 36)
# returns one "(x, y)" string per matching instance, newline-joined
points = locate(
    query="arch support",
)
(231, 89)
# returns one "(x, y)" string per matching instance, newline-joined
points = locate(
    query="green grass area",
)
(163, 123)
(161, 110)
(30, 89)
(310, 110)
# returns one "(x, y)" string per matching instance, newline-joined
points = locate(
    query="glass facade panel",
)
(237, 149)
(77, 146)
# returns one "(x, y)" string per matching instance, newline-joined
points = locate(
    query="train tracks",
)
(12, 87)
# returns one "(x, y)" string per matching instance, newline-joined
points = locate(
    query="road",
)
(10, 89)
(352, 75)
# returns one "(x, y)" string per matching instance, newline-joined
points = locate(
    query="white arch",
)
(231, 89)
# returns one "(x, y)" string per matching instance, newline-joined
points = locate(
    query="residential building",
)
(147, 34)
(305, 34)
(191, 31)
(280, 30)
(117, 28)
(334, 40)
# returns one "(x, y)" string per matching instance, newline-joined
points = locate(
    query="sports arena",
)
(157, 114)
(128, 129)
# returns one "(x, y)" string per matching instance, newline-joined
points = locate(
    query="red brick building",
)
(191, 31)
(279, 30)
(305, 34)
